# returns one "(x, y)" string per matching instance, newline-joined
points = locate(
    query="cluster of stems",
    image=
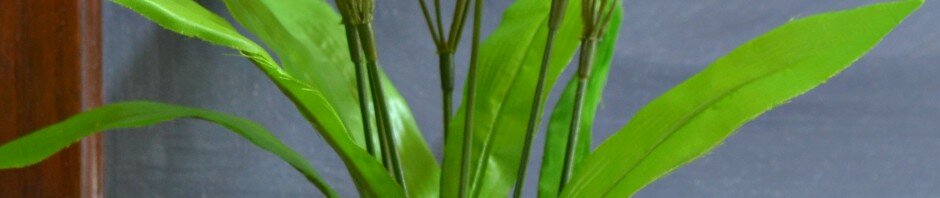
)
(446, 47)
(357, 18)
(595, 16)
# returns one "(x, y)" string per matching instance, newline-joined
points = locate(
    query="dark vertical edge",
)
(92, 148)
(50, 69)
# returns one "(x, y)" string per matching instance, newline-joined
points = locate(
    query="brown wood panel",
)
(50, 68)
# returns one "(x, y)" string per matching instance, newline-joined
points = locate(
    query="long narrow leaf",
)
(556, 136)
(509, 63)
(39, 145)
(695, 116)
(309, 39)
(190, 19)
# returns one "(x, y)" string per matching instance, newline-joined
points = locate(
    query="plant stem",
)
(594, 19)
(352, 40)
(427, 20)
(585, 63)
(446, 47)
(533, 121)
(456, 26)
(446, 64)
(382, 130)
(471, 98)
(437, 16)
(556, 16)
(447, 88)
(367, 36)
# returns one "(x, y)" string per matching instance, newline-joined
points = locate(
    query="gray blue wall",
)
(870, 132)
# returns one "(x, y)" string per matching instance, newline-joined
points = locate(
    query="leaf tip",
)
(912, 5)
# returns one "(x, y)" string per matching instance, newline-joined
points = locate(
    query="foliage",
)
(316, 73)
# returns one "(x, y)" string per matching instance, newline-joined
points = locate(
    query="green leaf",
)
(309, 39)
(39, 145)
(556, 137)
(695, 116)
(509, 62)
(190, 19)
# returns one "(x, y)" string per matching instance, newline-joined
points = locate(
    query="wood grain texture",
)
(50, 68)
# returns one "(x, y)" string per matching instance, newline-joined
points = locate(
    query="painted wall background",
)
(870, 132)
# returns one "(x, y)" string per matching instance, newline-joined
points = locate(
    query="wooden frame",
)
(50, 68)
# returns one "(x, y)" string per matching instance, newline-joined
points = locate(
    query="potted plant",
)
(324, 54)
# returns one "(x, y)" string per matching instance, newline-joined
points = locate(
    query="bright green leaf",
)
(309, 39)
(190, 19)
(39, 145)
(507, 74)
(695, 116)
(556, 137)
